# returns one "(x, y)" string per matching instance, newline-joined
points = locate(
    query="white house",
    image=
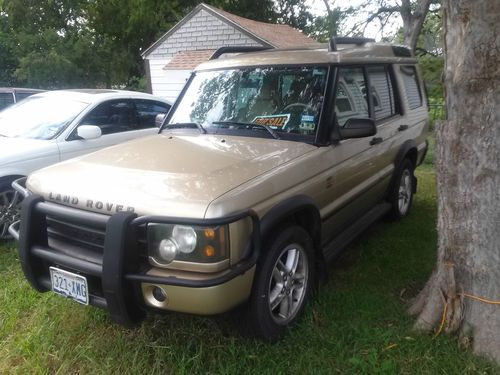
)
(170, 60)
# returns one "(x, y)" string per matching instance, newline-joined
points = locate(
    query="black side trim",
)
(334, 248)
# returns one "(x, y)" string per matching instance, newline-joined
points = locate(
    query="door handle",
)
(402, 127)
(376, 140)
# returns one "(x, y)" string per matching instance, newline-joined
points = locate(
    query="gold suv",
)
(268, 165)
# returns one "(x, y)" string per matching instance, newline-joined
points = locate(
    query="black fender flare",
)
(403, 151)
(289, 207)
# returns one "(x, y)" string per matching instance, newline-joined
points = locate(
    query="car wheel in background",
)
(9, 207)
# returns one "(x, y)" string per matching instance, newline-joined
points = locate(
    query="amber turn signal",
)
(209, 251)
(209, 233)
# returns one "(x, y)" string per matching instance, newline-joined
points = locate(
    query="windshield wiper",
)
(247, 124)
(182, 125)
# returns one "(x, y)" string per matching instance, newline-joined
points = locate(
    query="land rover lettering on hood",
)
(267, 166)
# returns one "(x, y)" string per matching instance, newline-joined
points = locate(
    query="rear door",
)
(387, 112)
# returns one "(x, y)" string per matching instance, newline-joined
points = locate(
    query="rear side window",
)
(23, 95)
(382, 92)
(412, 88)
(147, 111)
(6, 99)
(115, 116)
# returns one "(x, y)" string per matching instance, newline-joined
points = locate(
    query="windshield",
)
(39, 117)
(284, 100)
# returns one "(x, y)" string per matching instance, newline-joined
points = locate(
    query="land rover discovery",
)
(269, 163)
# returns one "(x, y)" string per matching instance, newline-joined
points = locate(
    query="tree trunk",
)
(468, 183)
(413, 20)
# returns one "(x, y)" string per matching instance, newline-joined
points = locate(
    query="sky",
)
(372, 31)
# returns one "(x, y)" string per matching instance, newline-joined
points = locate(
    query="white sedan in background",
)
(53, 126)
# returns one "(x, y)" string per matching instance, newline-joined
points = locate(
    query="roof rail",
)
(336, 40)
(236, 49)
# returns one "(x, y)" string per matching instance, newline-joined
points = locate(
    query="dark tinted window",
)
(23, 95)
(113, 117)
(412, 88)
(382, 92)
(350, 99)
(147, 111)
(6, 99)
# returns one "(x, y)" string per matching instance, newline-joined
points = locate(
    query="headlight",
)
(195, 244)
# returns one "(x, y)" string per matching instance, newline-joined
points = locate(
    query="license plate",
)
(69, 285)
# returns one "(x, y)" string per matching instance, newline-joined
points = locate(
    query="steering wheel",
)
(297, 105)
(296, 109)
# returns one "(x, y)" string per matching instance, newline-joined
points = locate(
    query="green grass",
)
(356, 323)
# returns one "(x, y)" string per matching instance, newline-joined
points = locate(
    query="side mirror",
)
(88, 132)
(358, 128)
(160, 117)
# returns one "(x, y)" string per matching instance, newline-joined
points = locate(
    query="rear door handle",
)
(376, 140)
(403, 127)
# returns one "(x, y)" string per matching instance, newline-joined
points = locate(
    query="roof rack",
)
(336, 40)
(236, 49)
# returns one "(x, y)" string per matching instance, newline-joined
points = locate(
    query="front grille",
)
(90, 238)
(85, 241)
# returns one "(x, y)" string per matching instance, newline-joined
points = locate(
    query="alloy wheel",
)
(288, 284)
(9, 211)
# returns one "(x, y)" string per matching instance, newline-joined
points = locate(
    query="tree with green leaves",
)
(412, 13)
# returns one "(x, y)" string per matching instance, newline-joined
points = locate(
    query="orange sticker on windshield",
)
(273, 120)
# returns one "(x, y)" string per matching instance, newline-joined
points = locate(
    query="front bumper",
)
(122, 282)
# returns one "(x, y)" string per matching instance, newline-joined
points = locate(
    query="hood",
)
(163, 174)
(15, 150)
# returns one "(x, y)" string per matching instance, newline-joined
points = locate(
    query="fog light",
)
(159, 294)
(167, 250)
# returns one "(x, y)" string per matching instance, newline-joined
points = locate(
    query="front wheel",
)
(283, 282)
(9, 208)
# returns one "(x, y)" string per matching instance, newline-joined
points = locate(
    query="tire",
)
(283, 282)
(401, 195)
(9, 207)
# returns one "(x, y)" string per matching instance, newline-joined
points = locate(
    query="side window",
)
(350, 101)
(412, 88)
(6, 99)
(23, 95)
(115, 116)
(147, 111)
(382, 92)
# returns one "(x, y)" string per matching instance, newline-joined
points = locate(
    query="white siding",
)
(202, 31)
(166, 84)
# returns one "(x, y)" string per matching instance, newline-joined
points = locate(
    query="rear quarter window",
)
(6, 99)
(382, 92)
(412, 87)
